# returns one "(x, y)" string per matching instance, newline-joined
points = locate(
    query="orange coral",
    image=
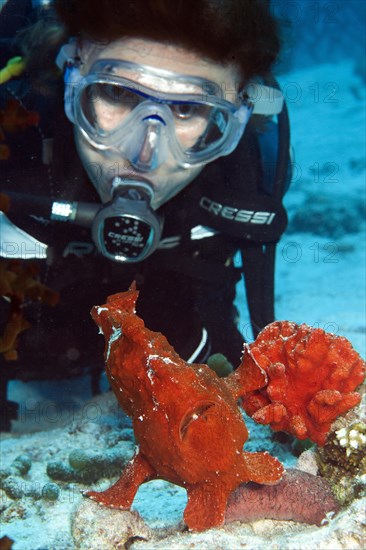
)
(185, 418)
(17, 283)
(311, 378)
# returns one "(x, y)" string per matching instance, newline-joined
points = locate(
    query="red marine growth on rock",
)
(311, 374)
(185, 418)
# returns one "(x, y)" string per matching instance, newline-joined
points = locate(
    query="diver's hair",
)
(39, 44)
(238, 31)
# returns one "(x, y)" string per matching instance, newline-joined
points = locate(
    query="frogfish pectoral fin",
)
(122, 493)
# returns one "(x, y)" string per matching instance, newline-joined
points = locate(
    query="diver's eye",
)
(118, 95)
(185, 111)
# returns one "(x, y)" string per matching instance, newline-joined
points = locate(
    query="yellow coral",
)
(14, 67)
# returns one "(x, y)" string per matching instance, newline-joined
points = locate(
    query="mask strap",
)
(67, 54)
(69, 62)
(72, 79)
(266, 100)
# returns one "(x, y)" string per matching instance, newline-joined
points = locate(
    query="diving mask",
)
(146, 114)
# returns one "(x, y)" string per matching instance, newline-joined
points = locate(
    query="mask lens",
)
(189, 111)
(199, 126)
(106, 105)
(196, 125)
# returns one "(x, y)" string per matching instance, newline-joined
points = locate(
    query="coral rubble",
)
(88, 466)
(342, 460)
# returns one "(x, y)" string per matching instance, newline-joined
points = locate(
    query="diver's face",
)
(169, 178)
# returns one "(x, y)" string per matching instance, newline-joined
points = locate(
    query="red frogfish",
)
(185, 418)
(189, 427)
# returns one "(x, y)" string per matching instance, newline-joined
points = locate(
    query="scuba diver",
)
(158, 152)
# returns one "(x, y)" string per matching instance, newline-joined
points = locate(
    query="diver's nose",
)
(152, 151)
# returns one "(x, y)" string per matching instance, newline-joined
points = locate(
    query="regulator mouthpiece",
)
(127, 229)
